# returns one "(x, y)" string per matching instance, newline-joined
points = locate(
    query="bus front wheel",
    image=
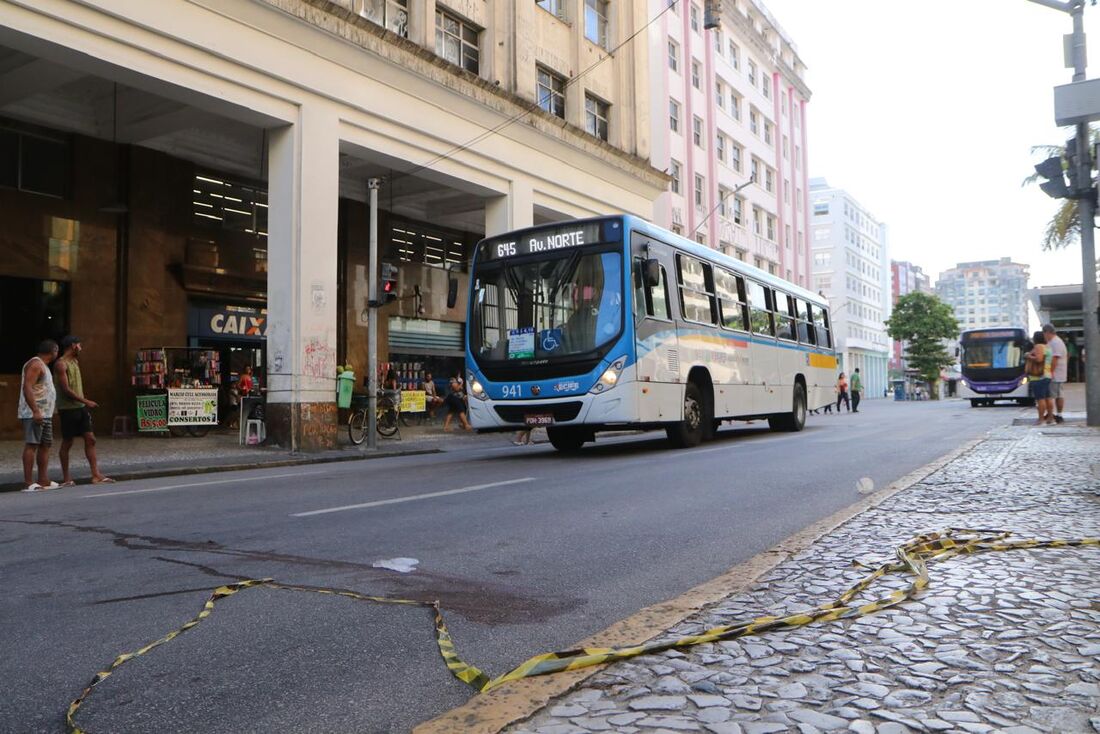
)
(796, 419)
(567, 439)
(689, 431)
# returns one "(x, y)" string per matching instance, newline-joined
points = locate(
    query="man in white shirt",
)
(1059, 366)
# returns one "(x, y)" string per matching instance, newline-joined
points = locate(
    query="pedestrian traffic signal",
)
(387, 284)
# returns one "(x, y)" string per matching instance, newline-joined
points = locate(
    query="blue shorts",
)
(1040, 389)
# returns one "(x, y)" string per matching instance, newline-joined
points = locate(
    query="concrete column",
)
(303, 199)
(514, 211)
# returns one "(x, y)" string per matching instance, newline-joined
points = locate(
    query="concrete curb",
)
(175, 471)
(491, 712)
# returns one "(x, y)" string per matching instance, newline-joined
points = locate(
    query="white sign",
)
(193, 407)
(521, 343)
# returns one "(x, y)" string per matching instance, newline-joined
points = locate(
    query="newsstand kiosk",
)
(177, 390)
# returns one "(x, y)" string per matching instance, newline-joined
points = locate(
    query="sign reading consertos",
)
(193, 407)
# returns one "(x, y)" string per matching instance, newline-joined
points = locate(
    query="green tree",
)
(924, 322)
(1064, 228)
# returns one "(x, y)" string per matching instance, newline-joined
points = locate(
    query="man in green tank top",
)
(73, 409)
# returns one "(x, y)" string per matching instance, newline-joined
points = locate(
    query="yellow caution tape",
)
(912, 556)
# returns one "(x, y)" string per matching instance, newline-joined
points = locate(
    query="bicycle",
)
(387, 416)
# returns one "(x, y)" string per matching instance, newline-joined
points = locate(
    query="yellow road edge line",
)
(492, 711)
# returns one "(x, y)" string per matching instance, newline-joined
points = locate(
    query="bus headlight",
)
(476, 389)
(610, 376)
(1024, 381)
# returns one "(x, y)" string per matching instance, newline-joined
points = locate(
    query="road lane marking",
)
(200, 484)
(415, 497)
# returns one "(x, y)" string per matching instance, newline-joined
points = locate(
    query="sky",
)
(925, 112)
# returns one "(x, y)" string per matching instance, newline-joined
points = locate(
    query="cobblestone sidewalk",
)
(1000, 642)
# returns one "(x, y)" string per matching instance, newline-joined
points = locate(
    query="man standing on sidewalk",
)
(37, 399)
(73, 407)
(857, 390)
(1059, 369)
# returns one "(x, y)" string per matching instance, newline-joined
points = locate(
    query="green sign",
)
(152, 413)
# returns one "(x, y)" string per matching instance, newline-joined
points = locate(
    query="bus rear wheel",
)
(689, 431)
(567, 440)
(796, 419)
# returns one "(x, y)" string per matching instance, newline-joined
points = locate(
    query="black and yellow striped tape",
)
(912, 557)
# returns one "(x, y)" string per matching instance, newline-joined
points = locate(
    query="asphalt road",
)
(526, 549)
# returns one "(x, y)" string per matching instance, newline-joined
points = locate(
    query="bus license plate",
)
(539, 419)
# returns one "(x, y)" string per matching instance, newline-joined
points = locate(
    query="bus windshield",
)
(992, 355)
(564, 305)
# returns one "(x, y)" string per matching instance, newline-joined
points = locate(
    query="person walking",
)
(75, 413)
(432, 400)
(1038, 373)
(857, 389)
(1059, 371)
(842, 393)
(37, 400)
(455, 404)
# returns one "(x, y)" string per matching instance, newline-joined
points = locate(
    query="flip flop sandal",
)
(104, 480)
(69, 483)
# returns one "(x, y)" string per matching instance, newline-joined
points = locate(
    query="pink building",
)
(729, 103)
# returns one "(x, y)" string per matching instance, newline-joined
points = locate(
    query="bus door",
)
(766, 394)
(655, 340)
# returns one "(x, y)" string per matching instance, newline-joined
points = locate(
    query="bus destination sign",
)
(993, 334)
(551, 239)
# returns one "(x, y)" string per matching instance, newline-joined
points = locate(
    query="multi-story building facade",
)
(194, 173)
(905, 278)
(986, 293)
(852, 269)
(729, 104)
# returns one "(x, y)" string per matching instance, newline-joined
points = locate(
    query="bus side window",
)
(821, 327)
(760, 315)
(805, 328)
(652, 302)
(731, 302)
(696, 290)
(784, 323)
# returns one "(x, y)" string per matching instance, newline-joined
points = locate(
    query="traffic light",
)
(1055, 185)
(387, 284)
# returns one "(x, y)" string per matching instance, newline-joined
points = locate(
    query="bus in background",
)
(611, 323)
(993, 366)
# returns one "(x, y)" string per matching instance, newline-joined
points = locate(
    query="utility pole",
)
(1086, 213)
(373, 185)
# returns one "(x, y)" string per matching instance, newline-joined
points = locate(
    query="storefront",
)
(237, 334)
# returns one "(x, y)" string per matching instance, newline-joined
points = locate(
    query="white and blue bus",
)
(993, 365)
(613, 323)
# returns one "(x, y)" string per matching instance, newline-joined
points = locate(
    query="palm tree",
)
(1064, 228)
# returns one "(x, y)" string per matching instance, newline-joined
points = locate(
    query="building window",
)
(596, 114)
(765, 86)
(767, 132)
(674, 115)
(554, 7)
(756, 171)
(675, 170)
(34, 164)
(769, 180)
(787, 191)
(735, 106)
(551, 92)
(752, 73)
(757, 221)
(700, 185)
(33, 310)
(595, 22)
(695, 17)
(390, 14)
(719, 42)
(720, 148)
(771, 228)
(673, 55)
(739, 211)
(723, 206)
(735, 56)
(754, 122)
(786, 148)
(697, 131)
(735, 157)
(224, 204)
(695, 76)
(720, 94)
(457, 41)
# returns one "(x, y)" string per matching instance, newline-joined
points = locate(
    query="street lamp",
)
(1086, 213)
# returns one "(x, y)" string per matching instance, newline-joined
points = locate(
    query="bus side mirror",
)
(452, 292)
(652, 273)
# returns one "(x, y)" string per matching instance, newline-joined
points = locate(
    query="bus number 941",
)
(510, 391)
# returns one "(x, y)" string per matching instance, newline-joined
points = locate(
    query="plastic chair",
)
(255, 432)
(121, 426)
